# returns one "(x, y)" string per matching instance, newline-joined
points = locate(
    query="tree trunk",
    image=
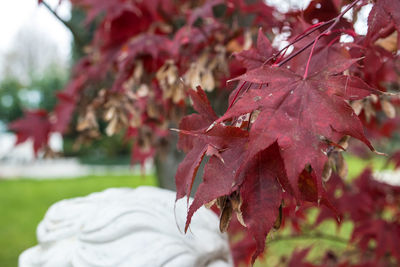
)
(166, 165)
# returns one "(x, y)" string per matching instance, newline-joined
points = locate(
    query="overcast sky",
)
(16, 14)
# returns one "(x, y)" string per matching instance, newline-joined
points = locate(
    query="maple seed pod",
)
(373, 98)
(389, 43)
(369, 111)
(221, 202)
(226, 216)
(278, 220)
(344, 142)
(210, 204)
(327, 172)
(254, 116)
(236, 202)
(388, 109)
(341, 166)
(112, 127)
(239, 216)
(143, 90)
(357, 106)
(88, 121)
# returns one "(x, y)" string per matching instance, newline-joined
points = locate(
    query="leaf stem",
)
(306, 33)
(311, 53)
(334, 22)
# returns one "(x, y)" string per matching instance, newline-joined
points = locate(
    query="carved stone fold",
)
(123, 227)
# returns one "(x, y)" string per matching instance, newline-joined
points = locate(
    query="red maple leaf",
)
(385, 234)
(384, 15)
(256, 57)
(259, 186)
(301, 114)
(204, 11)
(262, 195)
(298, 258)
(193, 122)
(227, 140)
(34, 125)
(219, 138)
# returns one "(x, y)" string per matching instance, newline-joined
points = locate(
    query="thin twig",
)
(327, 237)
(73, 31)
(334, 22)
(305, 34)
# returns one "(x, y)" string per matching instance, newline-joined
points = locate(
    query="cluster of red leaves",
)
(133, 41)
(287, 114)
(33, 120)
(281, 125)
(372, 207)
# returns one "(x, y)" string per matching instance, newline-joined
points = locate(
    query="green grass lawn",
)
(24, 202)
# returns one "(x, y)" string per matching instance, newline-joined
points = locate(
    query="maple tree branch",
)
(306, 33)
(73, 31)
(334, 22)
(327, 237)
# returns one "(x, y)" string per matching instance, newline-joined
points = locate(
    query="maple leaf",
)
(115, 29)
(66, 103)
(204, 11)
(195, 121)
(325, 11)
(147, 43)
(191, 40)
(378, 66)
(141, 156)
(256, 57)
(34, 125)
(259, 187)
(195, 125)
(384, 15)
(243, 250)
(300, 114)
(262, 195)
(298, 258)
(227, 140)
(395, 158)
(258, 9)
(219, 176)
(151, 47)
(386, 235)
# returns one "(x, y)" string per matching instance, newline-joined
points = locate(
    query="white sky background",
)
(17, 14)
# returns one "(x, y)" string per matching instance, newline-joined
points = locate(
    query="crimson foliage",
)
(290, 113)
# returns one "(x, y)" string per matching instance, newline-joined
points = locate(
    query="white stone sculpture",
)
(391, 177)
(123, 227)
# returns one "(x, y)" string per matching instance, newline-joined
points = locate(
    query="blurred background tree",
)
(35, 71)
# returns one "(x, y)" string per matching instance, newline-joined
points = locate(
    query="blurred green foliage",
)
(38, 93)
(111, 150)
